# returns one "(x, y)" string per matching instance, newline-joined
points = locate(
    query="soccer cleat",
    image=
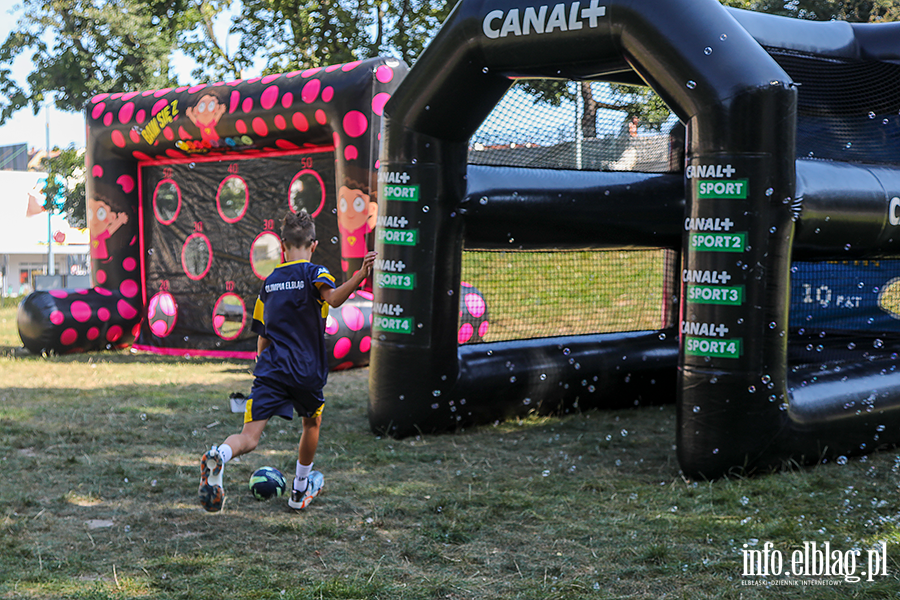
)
(212, 494)
(300, 500)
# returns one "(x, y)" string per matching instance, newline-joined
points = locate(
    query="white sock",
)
(302, 474)
(225, 452)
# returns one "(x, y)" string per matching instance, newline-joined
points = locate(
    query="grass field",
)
(99, 457)
(569, 292)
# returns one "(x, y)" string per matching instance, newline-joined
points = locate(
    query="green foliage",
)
(64, 190)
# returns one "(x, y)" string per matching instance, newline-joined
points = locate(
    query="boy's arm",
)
(336, 296)
(261, 344)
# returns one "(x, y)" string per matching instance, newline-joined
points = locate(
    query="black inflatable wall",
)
(740, 405)
(186, 189)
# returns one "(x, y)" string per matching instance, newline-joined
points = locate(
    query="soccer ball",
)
(266, 483)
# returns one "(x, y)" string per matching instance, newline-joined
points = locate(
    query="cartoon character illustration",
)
(205, 114)
(357, 213)
(103, 221)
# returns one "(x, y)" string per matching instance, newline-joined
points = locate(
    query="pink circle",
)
(331, 325)
(287, 100)
(384, 74)
(97, 171)
(327, 94)
(129, 288)
(240, 126)
(233, 102)
(355, 123)
(158, 107)
(57, 318)
(59, 294)
(465, 333)
(286, 145)
(218, 321)
(103, 314)
(98, 98)
(342, 347)
(161, 93)
(184, 134)
(93, 333)
(134, 136)
(129, 264)
(68, 337)
(280, 123)
(128, 96)
(141, 116)
(81, 311)
(167, 132)
(482, 329)
(126, 112)
(269, 78)
(311, 91)
(365, 344)
(269, 97)
(117, 138)
(310, 72)
(475, 305)
(141, 156)
(103, 291)
(101, 276)
(114, 333)
(247, 105)
(299, 122)
(127, 183)
(378, 102)
(126, 310)
(350, 66)
(365, 294)
(159, 328)
(321, 119)
(351, 153)
(259, 127)
(108, 119)
(353, 318)
(98, 110)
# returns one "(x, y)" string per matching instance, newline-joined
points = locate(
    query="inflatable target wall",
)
(186, 190)
(775, 172)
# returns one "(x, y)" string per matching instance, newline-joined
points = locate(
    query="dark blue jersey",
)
(291, 314)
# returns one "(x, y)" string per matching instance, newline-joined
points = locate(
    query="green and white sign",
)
(728, 189)
(404, 193)
(398, 237)
(718, 242)
(716, 294)
(393, 324)
(395, 281)
(714, 348)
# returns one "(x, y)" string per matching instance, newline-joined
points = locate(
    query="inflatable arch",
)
(754, 195)
(186, 188)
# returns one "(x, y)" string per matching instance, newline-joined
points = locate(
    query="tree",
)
(81, 48)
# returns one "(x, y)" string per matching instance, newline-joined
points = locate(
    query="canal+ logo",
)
(542, 19)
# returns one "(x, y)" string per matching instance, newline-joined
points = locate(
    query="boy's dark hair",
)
(298, 229)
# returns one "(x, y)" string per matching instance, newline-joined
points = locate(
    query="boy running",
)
(291, 367)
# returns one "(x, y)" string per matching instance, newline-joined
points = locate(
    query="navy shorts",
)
(269, 398)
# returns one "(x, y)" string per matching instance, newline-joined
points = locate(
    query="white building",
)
(23, 240)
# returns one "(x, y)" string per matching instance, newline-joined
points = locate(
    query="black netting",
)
(846, 110)
(570, 125)
(533, 294)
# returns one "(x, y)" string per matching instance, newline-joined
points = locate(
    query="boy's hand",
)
(368, 263)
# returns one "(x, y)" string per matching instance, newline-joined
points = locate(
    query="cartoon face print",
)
(205, 114)
(103, 221)
(355, 209)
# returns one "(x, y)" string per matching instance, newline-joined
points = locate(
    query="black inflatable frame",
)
(335, 109)
(739, 403)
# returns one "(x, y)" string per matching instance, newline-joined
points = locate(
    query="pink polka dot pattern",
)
(378, 102)
(342, 347)
(384, 74)
(311, 91)
(321, 118)
(355, 123)
(269, 97)
(353, 317)
(81, 311)
(473, 315)
(97, 171)
(127, 183)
